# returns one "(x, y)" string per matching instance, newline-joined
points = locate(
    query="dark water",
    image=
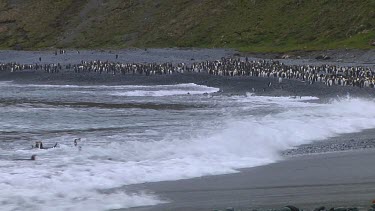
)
(137, 134)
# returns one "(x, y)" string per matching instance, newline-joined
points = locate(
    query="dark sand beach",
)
(345, 178)
(332, 180)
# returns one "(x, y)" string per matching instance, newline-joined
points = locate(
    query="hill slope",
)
(248, 25)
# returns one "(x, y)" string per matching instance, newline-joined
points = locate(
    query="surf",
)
(229, 133)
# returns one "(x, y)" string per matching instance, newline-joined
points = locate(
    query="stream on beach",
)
(136, 134)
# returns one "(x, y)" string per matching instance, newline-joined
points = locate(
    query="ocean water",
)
(136, 134)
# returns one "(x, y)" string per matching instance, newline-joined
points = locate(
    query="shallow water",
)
(137, 134)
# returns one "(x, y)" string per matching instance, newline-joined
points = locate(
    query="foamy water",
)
(136, 134)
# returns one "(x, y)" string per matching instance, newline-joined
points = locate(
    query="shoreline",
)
(187, 55)
(307, 177)
(239, 85)
(309, 181)
(336, 172)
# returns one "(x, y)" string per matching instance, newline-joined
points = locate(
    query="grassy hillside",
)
(247, 25)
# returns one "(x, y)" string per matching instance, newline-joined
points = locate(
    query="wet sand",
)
(332, 180)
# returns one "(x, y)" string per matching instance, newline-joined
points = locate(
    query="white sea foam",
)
(159, 93)
(125, 90)
(165, 90)
(111, 87)
(68, 179)
(6, 83)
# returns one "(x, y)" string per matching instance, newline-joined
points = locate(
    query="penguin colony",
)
(359, 76)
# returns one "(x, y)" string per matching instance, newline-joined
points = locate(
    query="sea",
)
(137, 134)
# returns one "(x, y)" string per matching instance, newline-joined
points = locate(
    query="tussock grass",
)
(246, 25)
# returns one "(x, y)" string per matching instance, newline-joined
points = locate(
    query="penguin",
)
(39, 145)
(76, 141)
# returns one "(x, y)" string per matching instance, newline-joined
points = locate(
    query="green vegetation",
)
(247, 25)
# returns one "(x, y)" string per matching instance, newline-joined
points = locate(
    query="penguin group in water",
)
(39, 145)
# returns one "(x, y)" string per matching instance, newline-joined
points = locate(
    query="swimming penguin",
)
(76, 141)
(33, 157)
(39, 145)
